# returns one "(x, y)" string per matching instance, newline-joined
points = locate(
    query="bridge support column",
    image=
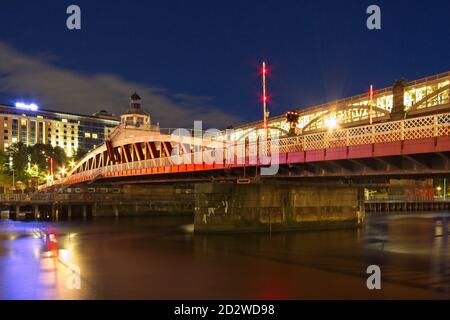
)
(11, 212)
(116, 211)
(223, 207)
(84, 212)
(6, 214)
(17, 212)
(36, 214)
(69, 212)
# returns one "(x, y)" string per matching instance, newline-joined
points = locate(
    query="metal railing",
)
(404, 198)
(84, 197)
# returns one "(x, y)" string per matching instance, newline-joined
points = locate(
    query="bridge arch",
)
(247, 133)
(327, 113)
(416, 106)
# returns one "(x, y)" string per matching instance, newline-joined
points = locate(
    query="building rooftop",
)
(101, 115)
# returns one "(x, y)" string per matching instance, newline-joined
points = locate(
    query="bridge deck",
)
(415, 136)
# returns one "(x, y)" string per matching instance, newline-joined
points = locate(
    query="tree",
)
(59, 156)
(40, 155)
(79, 154)
(4, 168)
(4, 162)
(19, 154)
(34, 161)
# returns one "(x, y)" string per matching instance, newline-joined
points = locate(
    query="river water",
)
(161, 258)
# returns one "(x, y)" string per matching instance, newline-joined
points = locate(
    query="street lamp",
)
(292, 118)
(438, 189)
(331, 123)
(49, 178)
(14, 179)
(63, 171)
(13, 172)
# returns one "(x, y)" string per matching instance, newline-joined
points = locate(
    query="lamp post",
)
(13, 172)
(14, 179)
(292, 118)
(445, 189)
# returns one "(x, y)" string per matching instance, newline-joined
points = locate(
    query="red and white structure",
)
(390, 131)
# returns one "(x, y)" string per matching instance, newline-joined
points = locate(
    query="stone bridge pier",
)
(266, 207)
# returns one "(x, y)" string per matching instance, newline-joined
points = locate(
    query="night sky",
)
(199, 60)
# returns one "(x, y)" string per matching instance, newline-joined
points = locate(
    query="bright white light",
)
(63, 170)
(331, 123)
(65, 254)
(24, 106)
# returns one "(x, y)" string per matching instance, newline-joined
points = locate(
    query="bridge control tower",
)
(135, 116)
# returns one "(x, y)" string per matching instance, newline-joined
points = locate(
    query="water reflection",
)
(161, 258)
(35, 261)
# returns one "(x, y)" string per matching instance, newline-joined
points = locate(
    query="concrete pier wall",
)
(224, 207)
(138, 200)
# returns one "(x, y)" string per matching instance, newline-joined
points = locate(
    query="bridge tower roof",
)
(135, 116)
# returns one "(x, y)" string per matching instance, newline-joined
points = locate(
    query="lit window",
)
(64, 120)
(5, 125)
(95, 136)
(23, 122)
(87, 135)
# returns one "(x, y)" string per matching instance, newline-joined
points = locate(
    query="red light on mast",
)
(264, 95)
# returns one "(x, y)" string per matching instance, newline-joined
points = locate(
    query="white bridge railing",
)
(408, 129)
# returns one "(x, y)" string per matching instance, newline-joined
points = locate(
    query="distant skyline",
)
(200, 60)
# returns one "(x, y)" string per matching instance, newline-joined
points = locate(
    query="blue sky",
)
(199, 60)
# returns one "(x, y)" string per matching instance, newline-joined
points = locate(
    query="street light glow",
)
(63, 171)
(331, 123)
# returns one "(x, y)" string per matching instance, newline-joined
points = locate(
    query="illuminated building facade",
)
(28, 124)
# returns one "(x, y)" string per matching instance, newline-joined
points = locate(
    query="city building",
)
(29, 124)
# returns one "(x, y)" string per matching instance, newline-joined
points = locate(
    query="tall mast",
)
(264, 71)
(370, 103)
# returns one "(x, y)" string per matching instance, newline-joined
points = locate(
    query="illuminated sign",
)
(25, 106)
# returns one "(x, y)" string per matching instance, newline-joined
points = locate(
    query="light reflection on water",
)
(35, 260)
(161, 258)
